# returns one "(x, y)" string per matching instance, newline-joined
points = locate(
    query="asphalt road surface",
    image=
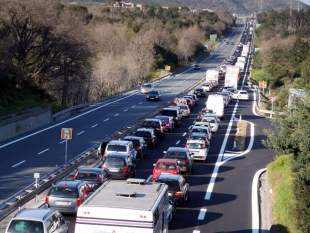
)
(220, 193)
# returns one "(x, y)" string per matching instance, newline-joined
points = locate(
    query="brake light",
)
(138, 148)
(186, 145)
(78, 201)
(125, 170)
(203, 146)
(178, 194)
(74, 178)
(167, 124)
(99, 178)
(158, 129)
(151, 138)
(46, 199)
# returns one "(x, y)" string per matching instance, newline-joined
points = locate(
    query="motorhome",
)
(132, 205)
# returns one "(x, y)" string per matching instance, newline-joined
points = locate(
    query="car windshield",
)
(114, 162)
(142, 134)
(87, 176)
(22, 226)
(153, 92)
(119, 148)
(166, 166)
(65, 192)
(146, 85)
(175, 155)
(194, 146)
(208, 119)
(199, 130)
(172, 185)
(135, 142)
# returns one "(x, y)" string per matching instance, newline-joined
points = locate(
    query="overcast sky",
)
(306, 1)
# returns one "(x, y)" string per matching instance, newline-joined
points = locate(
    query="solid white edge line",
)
(202, 214)
(43, 151)
(94, 125)
(15, 165)
(196, 231)
(255, 202)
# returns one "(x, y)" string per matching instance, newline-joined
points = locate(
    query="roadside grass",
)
(241, 135)
(279, 178)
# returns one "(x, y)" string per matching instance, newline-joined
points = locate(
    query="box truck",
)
(212, 75)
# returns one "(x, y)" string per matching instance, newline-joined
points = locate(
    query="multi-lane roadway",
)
(220, 194)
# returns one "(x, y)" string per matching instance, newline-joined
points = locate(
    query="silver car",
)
(38, 220)
(185, 110)
(146, 88)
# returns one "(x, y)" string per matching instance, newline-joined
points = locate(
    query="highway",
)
(220, 193)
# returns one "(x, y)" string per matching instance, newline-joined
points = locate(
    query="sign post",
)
(36, 176)
(272, 100)
(167, 68)
(66, 133)
(263, 85)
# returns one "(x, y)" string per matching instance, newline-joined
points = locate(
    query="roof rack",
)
(125, 193)
(135, 181)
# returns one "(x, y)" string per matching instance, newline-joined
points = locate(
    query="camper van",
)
(133, 205)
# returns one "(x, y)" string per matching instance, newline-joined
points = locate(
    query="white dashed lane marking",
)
(43, 151)
(116, 114)
(15, 165)
(107, 119)
(80, 132)
(94, 125)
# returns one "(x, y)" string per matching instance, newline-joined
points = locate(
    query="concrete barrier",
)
(22, 122)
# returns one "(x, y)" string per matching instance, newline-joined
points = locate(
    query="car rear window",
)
(87, 176)
(199, 130)
(64, 192)
(163, 120)
(169, 112)
(197, 137)
(208, 119)
(172, 185)
(194, 146)
(143, 134)
(153, 124)
(22, 226)
(119, 148)
(243, 92)
(114, 162)
(175, 154)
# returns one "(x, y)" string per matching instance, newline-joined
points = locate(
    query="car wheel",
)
(153, 145)
(189, 172)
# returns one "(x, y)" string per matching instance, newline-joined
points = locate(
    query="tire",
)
(190, 171)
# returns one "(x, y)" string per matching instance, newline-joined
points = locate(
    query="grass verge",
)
(241, 135)
(279, 177)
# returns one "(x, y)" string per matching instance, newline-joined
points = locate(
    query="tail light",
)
(99, 178)
(184, 161)
(186, 145)
(46, 199)
(167, 125)
(102, 165)
(125, 170)
(74, 178)
(158, 129)
(151, 138)
(138, 148)
(78, 201)
(179, 194)
(203, 146)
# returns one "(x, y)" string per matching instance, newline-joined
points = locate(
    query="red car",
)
(165, 166)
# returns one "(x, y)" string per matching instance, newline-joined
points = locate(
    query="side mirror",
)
(164, 152)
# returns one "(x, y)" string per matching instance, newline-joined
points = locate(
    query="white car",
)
(202, 129)
(185, 110)
(214, 123)
(197, 149)
(240, 95)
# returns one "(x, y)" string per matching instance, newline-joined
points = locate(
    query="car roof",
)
(38, 214)
(170, 108)
(196, 141)
(197, 134)
(177, 149)
(160, 116)
(116, 155)
(90, 169)
(68, 183)
(145, 129)
(151, 119)
(133, 138)
(167, 176)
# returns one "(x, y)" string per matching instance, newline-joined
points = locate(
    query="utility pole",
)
(261, 6)
(298, 4)
(291, 6)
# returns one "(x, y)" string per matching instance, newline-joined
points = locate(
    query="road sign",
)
(36, 175)
(273, 99)
(66, 133)
(262, 84)
(167, 68)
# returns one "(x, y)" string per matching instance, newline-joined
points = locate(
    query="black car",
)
(153, 95)
(93, 176)
(183, 157)
(199, 91)
(139, 144)
(178, 189)
(148, 135)
(174, 113)
(155, 124)
(167, 122)
(196, 67)
(194, 96)
(119, 165)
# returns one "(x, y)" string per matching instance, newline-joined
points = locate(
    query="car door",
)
(190, 159)
(133, 152)
(184, 187)
(131, 166)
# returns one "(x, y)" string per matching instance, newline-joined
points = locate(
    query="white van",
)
(216, 103)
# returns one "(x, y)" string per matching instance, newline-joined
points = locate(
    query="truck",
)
(235, 70)
(241, 59)
(132, 205)
(241, 65)
(231, 80)
(212, 75)
(245, 51)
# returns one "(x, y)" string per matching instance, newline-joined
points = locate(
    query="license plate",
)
(169, 194)
(62, 203)
(114, 170)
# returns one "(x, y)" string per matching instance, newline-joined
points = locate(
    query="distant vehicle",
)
(240, 95)
(37, 221)
(93, 176)
(153, 95)
(183, 158)
(207, 86)
(119, 166)
(212, 120)
(121, 146)
(198, 149)
(167, 122)
(139, 144)
(215, 102)
(149, 136)
(178, 188)
(200, 136)
(133, 205)
(200, 92)
(165, 165)
(232, 43)
(174, 114)
(194, 96)
(155, 124)
(146, 88)
(196, 67)
(66, 196)
(185, 110)
(212, 75)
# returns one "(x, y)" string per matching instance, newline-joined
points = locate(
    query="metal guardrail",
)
(29, 192)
